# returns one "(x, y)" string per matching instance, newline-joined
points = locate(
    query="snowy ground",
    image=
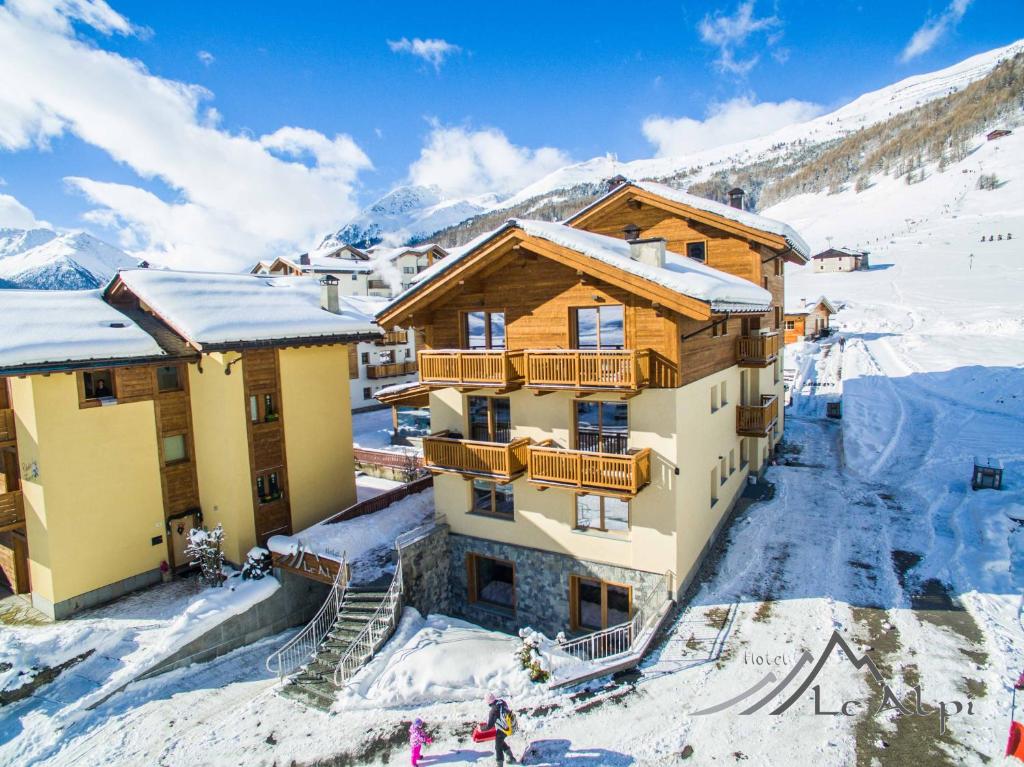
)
(372, 430)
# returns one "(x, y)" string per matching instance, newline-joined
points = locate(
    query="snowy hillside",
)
(47, 260)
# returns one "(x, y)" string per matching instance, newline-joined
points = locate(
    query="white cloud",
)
(735, 120)
(14, 215)
(464, 163)
(206, 57)
(729, 33)
(934, 29)
(433, 50)
(239, 198)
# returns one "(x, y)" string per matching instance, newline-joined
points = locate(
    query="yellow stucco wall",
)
(317, 432)
(96, 503)
(219, 422)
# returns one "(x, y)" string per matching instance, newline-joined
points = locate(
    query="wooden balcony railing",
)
(470, 367)
(611, 473)
(757, 420)
(486, 459)
(7, 432)
(627, 369)
(392, 337)
(12, 510)
(758, 350)
(389, 369)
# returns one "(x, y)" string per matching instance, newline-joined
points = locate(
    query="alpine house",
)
(600, 390)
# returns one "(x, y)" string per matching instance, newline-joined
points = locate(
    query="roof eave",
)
(321, 340)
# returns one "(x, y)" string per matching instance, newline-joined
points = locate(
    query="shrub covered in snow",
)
(205, 550)
(258, 563)
(530, 655)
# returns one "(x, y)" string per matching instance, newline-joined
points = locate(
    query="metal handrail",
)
(378, 627)
(304, 645)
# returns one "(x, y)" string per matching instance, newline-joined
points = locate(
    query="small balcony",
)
(757, 420)
(616, 474)
(474, 368)
(390, 369)
(627, 370)
(7, 431)
(12, 510)
(392, 338)
(500, 461)
(757, 351)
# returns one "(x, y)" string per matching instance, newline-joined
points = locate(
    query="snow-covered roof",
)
(329, 264)
(57, 327)
(390, 254)
(840, 252)
(803, 306)
(213, 309)
(725, 292)
(753, 220)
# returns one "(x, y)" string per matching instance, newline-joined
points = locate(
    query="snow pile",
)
(56, 326)
(219, 308)
(441, 659)
(366, 542)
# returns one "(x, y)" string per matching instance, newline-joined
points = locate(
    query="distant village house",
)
(840, 260)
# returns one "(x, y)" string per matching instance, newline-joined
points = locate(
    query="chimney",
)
(650, 251)
(329, 294)
(614, 183)
(736, 197)
(304, 259)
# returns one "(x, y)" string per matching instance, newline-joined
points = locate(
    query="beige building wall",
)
(219, 424)
(91, 481)
(317, 431)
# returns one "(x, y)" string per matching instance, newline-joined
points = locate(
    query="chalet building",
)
(165, 401)
(808, 319)
(408, 261)
(355, 277)
(840, 260)
(599, 392)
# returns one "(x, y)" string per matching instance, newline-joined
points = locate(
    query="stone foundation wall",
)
(425, 564)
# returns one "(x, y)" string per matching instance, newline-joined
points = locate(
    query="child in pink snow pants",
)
(417, 738)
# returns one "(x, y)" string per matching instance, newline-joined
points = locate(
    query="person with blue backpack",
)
(501, 718)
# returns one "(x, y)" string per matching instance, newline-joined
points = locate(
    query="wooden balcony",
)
(390, 369)
(474, 368)
(393, 337)
(471, 458)
(12, 510)
(7, 432)
(600, 473)
(757, 420)
(757, 351)
(586, 370)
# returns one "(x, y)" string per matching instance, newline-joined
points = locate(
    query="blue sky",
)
(554, 81)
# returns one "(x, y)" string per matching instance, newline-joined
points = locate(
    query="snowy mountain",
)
(47, 260)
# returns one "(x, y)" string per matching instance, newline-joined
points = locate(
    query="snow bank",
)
(218, 308)
(56, 326)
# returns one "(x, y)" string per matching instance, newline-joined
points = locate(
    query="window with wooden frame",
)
(595, 604)
(493, 499)
(790, 324)
(780, 266)
(605, 514)
(169, 378)
(599, 327)
(364, 358)
(98, 385)
(175, 449)
(698, 251)
(778, 317)
(490, 419)
(491, 582)
(601, 427)
(268, 487)
(483, 330)
(263, 407)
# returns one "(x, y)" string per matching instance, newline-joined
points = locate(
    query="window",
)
(367, 394)
(484, 330)
(722, 398)
(599, 327)
(492, 582)
(174, 449)
(354, 276)
(714, 398)
(98, 384)
(490, 419)
(778, 317)
(698, 251)
(386, 357)
(408, 270)
(720, 328)
(779, 267)
(597, 605)
(269, 408)
(714, 486)
(595, 512)
(722, 475)
(263, 408)
(254, 409)
(408, 353)
(732, 461)
(790, 324)
(744, 452)
(268, 487)
(168, 378)
(365, 358)
(602, 427)
(492, 498)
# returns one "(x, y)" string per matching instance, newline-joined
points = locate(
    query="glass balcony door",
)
(602, 427)
(490, 419)
(599, 327)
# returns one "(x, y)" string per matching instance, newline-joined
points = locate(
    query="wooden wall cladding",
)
(134, 384)
(260, 370)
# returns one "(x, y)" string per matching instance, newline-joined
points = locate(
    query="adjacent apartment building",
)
(600, 390)
(166, 401)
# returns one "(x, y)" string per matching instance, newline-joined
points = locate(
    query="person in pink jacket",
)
(417, 739)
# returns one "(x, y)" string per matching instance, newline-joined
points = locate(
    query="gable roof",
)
(392, 254)
(777, 233)
(803, 306)
(840, 253)
(319, 264)
(690, 282)
(216, 310)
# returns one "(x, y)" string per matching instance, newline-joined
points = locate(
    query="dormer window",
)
(631, 232)
(698, 251)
